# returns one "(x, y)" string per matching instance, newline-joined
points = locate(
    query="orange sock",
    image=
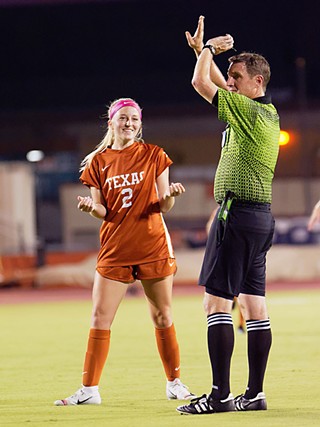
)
(96, 356)
(168, 348)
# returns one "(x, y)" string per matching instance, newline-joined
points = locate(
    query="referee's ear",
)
(259, 79)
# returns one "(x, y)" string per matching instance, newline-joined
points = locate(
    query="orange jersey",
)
(134, 231)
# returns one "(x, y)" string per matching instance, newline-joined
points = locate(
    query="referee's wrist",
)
(211, 48)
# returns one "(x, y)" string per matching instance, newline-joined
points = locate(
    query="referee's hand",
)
(221, 44)
(196, 41)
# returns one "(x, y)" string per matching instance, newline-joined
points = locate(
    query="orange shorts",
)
(147, 271)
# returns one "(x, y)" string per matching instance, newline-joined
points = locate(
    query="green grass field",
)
(42, 350)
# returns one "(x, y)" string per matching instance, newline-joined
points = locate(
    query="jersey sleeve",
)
(162, 160)
(90, 175)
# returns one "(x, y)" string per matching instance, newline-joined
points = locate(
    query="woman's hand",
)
(86, 204)
(175, 189)
(167, 201)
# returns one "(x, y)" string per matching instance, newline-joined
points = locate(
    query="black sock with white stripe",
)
(220, 347)
(259, 344)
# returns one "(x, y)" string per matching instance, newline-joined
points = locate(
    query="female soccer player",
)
(129, 184)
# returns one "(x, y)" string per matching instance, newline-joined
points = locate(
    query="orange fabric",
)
(241, 320)
(96, 356)
(130, 273)
(134, 231)
(168, 348)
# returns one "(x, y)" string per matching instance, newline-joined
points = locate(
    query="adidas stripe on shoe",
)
(205, 404)
(258, 403)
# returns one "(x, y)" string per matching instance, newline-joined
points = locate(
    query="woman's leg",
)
(158, 293)
(106, 296)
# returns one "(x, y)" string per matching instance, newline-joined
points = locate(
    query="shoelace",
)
(202, 401)
(196, 400)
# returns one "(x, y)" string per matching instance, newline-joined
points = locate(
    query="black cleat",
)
(205, 404)
(258, 403)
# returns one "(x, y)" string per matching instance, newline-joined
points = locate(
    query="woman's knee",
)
(162, 318)
(101, 319)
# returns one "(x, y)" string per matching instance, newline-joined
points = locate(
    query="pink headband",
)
(124, 103)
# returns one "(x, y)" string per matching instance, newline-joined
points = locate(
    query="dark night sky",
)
(81, 54)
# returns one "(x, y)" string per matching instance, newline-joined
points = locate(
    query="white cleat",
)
(176, 390)
(84, 396)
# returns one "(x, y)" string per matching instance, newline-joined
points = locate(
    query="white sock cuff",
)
(91, 388)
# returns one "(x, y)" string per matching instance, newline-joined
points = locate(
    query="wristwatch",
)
(211, 48)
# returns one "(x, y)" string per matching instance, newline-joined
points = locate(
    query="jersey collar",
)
(266, 99)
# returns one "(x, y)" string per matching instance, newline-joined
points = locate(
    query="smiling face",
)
(240, 81)
(125, 124)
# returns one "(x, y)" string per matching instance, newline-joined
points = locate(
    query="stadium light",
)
(284, 138)
(35, 156)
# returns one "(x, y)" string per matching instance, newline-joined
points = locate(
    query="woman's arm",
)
(93, 205)
(167, 192)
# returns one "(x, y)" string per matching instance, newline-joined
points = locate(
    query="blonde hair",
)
(108, 139)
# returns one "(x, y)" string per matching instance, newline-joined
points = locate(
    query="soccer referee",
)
(234, 263)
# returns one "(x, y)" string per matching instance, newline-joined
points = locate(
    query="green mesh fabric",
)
(250, 148)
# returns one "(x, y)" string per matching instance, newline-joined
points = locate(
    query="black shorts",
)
(235, 255)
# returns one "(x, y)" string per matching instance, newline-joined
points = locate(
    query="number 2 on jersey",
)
(127, 195)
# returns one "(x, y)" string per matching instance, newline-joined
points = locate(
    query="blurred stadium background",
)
(64, 61)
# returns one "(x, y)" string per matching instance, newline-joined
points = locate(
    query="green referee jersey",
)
(250, 147)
